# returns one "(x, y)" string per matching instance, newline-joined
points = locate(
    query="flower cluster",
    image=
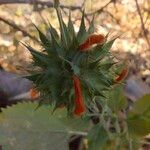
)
(73, 68)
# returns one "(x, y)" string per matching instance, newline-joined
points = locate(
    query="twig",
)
(83, 4)
(37, 2)
(25, 33)
(111, 15)
(142, 23)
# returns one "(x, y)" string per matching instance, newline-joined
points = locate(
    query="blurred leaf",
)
(139, 125)
(97, 137)
(139, 117)
(117, 100)
(21, 128)
(142, 106)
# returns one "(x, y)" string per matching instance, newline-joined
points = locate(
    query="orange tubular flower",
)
(92, 39)
(79, 104)
(34, 94)
(122, 75)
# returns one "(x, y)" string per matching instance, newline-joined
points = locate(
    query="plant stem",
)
(117, 126)
(80, 133)
(128, 137)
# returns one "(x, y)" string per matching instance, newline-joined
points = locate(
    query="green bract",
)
(61, 58)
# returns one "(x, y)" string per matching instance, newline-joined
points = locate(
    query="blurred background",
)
(128, 18)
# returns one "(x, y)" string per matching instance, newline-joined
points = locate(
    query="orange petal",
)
(34, 93)
(79, 104)
(122, 75)
(92, 39)
(79, 107)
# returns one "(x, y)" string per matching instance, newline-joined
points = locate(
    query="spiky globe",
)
(73, 68)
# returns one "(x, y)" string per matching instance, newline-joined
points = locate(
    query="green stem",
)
(117, 126)
(128, 138)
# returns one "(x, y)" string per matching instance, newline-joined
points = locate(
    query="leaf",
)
(21, 128)
(96, 81)
(91, 28)
(40, 59)
(139, 117)
(97, 137)
(97, 54)
(65, 37)
(45, 41)
(139, 125)
(142, 106)
(107, 46)
(54, 31)
(106, 66)
(71, 27)
(34, 77)
(82, 34)
(117, 100)
(100, 51)
(55, 45)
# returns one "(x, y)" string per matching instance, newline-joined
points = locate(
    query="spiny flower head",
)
(73, 68)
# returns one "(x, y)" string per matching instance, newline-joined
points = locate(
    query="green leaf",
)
(54, 31)
(117, 100)
(91, 28)
(139, 125)
(65, 37)
(71, 27)
(40, 59)
(45, 41)
(34, 77)
(21, 128)
(142, 106)
(100, 51)
(97, 137)
(75, 69)
(107, 46)
(106, 65)
(97, 54)
(55, 45)
(139, 117)
(82, 34)
(96, 80)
